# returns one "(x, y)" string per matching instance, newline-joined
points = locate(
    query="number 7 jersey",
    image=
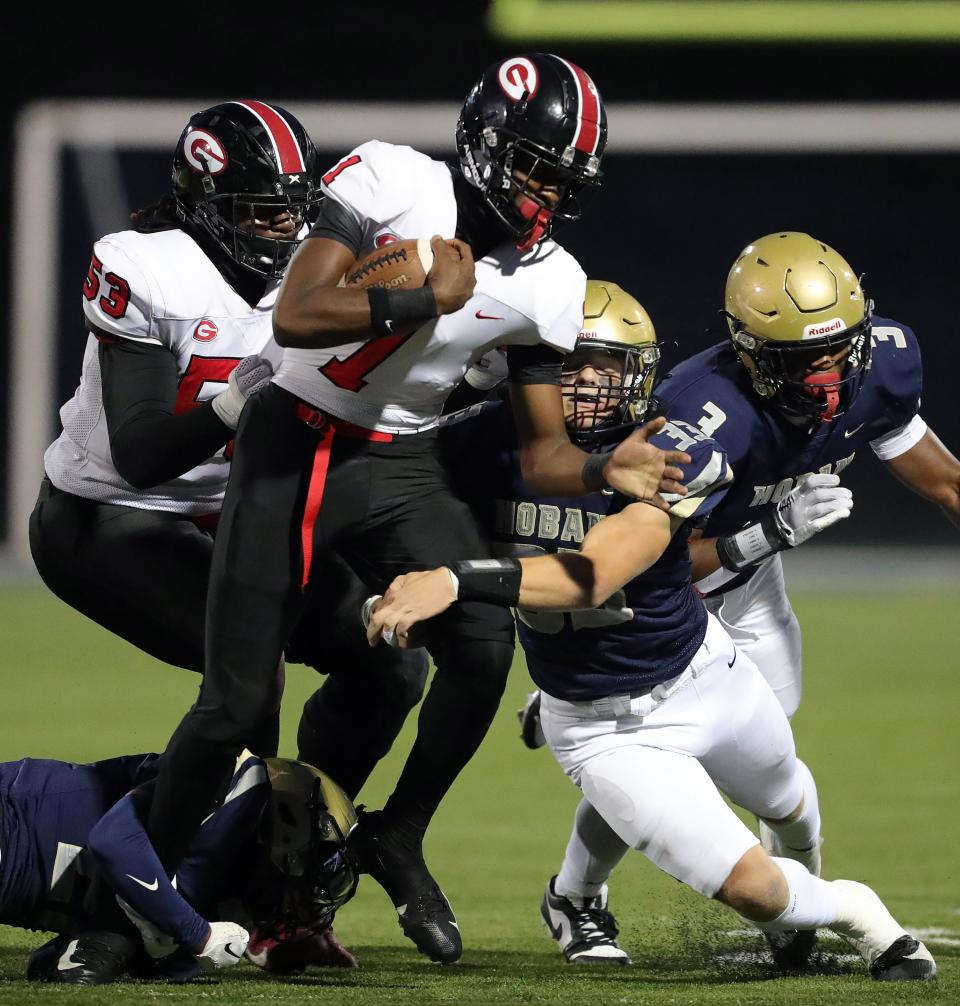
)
(399, 384)
(158, 289)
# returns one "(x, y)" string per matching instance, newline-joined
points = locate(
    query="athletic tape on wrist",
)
(592, 472)
(391, 310)
(753, 544)
(496, 581)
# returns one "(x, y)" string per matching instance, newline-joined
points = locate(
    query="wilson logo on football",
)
(518, 76)
(204, 152)
(206, 331)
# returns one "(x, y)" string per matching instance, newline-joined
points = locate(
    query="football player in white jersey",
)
(179, 317)
(340, 451)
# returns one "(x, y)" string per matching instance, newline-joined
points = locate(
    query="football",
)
(402, 265)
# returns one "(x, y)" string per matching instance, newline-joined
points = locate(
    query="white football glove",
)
(815, 503)
(250, 375)
(225, 946)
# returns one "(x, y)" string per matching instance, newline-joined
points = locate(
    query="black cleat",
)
(587, 933)
(905, 960)
(393, 856)
(93, 958)
(792, 951)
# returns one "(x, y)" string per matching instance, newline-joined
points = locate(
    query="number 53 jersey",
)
(158, 289)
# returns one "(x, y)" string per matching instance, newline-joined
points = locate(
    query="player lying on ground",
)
(75, 859)
(647, 703)
(340, 450)
(808, 378)
(178, 309)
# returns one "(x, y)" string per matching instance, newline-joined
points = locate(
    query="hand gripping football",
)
(402, 265)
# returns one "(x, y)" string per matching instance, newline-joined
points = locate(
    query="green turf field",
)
(878, 727)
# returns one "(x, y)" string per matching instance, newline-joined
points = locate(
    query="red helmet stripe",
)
(587, 135)
(285, 146)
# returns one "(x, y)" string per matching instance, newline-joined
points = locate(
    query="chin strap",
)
(825, 386)
(541, 216)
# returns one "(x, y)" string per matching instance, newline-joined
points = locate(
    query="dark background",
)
(666, 227)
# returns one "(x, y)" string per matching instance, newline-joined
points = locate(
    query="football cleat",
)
(93, 958)
(905, 960)
(290, 951)
(792, 950)
(394, 858)
(225, 946)
(586, 932)
(531, 733)
(891, 954)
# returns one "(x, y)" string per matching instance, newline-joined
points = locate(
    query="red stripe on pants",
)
(318, 480)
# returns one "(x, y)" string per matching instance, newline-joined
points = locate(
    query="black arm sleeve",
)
(148, 443)
(537, 364)
(338, 224)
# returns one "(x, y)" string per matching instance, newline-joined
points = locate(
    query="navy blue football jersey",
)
(645, 633)
(49, 879)
(712, 391)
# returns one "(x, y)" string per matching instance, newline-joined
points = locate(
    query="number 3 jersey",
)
(399, 384)
(645, 633)
(160, 289)
(712, 392)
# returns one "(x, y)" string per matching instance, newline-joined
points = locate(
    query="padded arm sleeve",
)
(148, 442)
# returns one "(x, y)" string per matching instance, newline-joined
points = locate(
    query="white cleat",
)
(585, 930)
(224, 947)
(891, 954)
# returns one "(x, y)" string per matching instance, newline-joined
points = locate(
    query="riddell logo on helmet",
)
(518, 77)
(824, 328)
(588, 334)
(204, 152)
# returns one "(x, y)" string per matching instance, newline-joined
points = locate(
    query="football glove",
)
(250, 375)
(814, 504)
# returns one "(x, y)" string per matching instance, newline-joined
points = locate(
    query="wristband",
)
(392, 310)
(592, 472)
(496, 581)
(753, 544)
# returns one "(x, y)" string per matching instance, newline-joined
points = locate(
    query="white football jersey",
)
(160, 289)
(399, 384)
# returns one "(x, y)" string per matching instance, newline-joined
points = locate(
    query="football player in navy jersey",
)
(75, 858)
(646, 702)
(809, 377)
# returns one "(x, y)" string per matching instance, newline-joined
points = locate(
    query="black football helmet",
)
(532, 117)
(242, 161)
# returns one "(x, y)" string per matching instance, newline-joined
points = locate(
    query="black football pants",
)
(296, 491)
(143, 575)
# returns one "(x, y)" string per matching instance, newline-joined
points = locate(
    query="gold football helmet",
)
(608, 378)
(306, 824)
(800, 323)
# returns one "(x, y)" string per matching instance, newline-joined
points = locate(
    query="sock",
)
(812, 902)
(592, 853)
(864, 920)
(804, 833)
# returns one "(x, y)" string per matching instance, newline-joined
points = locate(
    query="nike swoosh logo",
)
(143, 883)
(849, 433)
(66, 961)
(487, 317)
(732, 662)
(228, 949)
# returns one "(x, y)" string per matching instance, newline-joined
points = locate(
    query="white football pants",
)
(653, 765)
(761, 622)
